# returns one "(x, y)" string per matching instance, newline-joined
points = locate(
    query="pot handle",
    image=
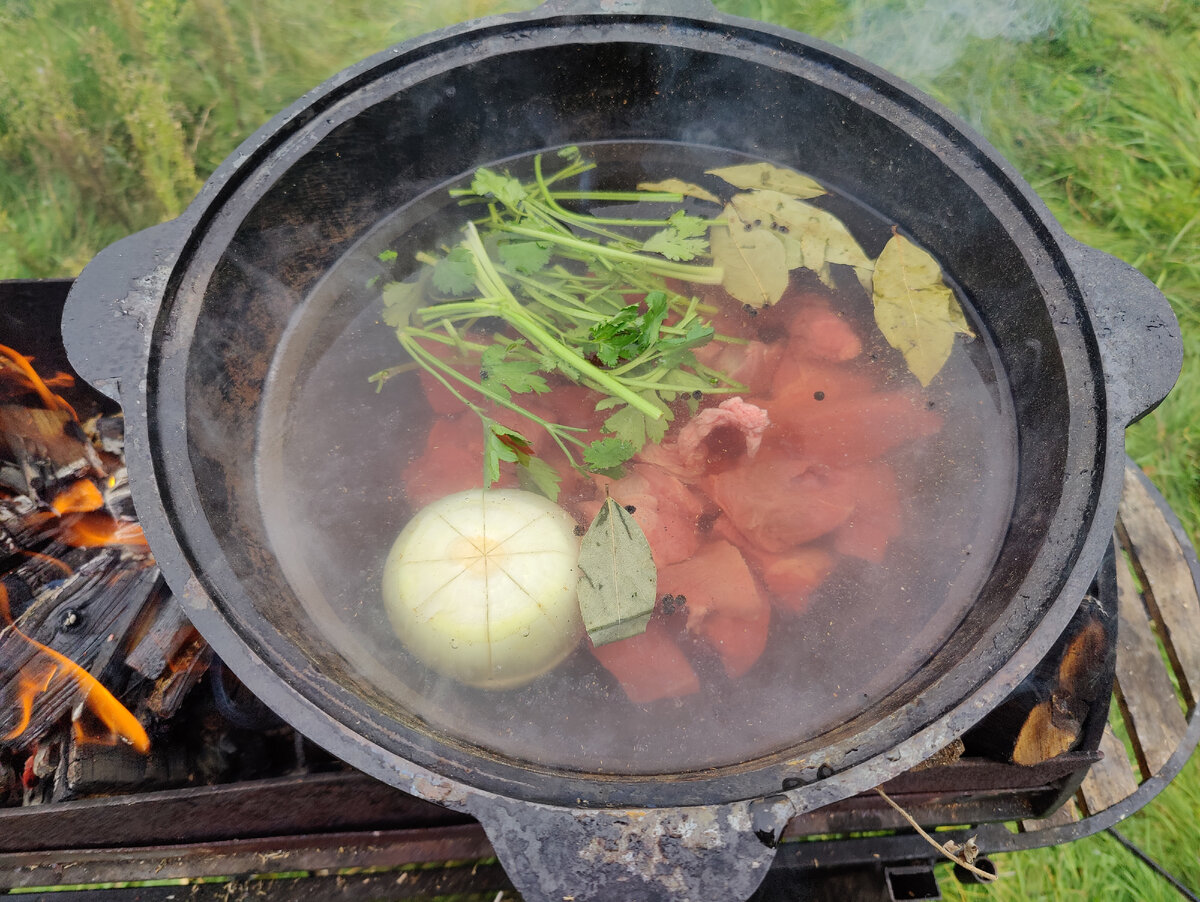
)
(110, 310)
(652, 855)
(1140, 342)
(694, 9)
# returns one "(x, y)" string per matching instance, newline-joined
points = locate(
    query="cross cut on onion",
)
(480, 585)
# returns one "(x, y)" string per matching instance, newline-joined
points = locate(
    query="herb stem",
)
(665, 197)
(439, 370)
(489, 280)
(703, 275)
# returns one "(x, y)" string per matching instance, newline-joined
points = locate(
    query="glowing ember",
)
(101, 530)
(81, 496)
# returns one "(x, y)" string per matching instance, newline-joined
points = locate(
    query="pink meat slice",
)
(665, 509)
(778, 501)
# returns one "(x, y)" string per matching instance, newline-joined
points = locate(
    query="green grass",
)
(112, 115)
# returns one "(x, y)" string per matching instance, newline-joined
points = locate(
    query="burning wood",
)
(37, 676)
(42, 443)
(79, 592)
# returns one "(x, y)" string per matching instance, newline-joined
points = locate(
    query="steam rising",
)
(920, 39)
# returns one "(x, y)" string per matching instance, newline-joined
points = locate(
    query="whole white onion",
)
(480, 586)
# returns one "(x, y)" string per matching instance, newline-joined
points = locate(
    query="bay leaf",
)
(618, 581)
(679, 186)
(752, 257)
(811, 235)
(915, 310)
(774, 178)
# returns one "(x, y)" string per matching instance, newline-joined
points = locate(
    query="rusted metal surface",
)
(480, 882)
(273, 855)
(308, 804)
(656, 855)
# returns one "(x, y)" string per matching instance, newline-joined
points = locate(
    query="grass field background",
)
(113, 113)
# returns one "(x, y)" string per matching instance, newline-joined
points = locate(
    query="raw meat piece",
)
(649, 666)
(876, 519)
(664, 508)
(778, 501)
(852, 430)
(724, 605)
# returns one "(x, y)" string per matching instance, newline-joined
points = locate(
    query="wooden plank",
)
(1067, 814)
(1144, 691)
(1111, 779)
(1170, 589)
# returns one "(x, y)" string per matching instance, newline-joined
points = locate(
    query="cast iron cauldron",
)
(183, 322)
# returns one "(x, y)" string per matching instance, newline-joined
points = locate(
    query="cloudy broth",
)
(916, 490)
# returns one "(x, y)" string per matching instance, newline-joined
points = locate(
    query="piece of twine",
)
(963, 854)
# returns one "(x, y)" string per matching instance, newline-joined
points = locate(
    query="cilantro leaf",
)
(454, 274)
(669, 243)
(688, 226)
(387, 256)
(501, 443)
(633, 426)
(570, 153)
(400, 299)
(525, 256)
(606, 453)
(506, 189)
(539, 476)
(652, 320)
(501, 376)
(628, 424)
(617, 337)
(629, 332)
(684, 239)
(676, 348)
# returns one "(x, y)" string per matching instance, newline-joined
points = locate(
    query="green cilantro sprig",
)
(580, 296)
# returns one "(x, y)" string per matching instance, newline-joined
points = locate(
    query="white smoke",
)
(920, 39)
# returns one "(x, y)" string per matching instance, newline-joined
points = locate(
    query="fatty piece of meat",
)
(724, 605)
(735, 416)
(714, 439)
(778, 501)
(649, 666)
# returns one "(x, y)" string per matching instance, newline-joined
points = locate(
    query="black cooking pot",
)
(202, 325)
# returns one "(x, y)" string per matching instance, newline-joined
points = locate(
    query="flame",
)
(29, 687)
(49, 559)
(38, 675)
(99, 529)
(58, 380)
(49, 398)
(81, 496)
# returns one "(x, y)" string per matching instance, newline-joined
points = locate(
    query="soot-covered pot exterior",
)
(1088, 344)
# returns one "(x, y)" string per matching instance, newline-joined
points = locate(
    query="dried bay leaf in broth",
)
(763, 175)
(618, 580)
(679, 186)
(813, 236)
(752, 257)
(915, 310)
